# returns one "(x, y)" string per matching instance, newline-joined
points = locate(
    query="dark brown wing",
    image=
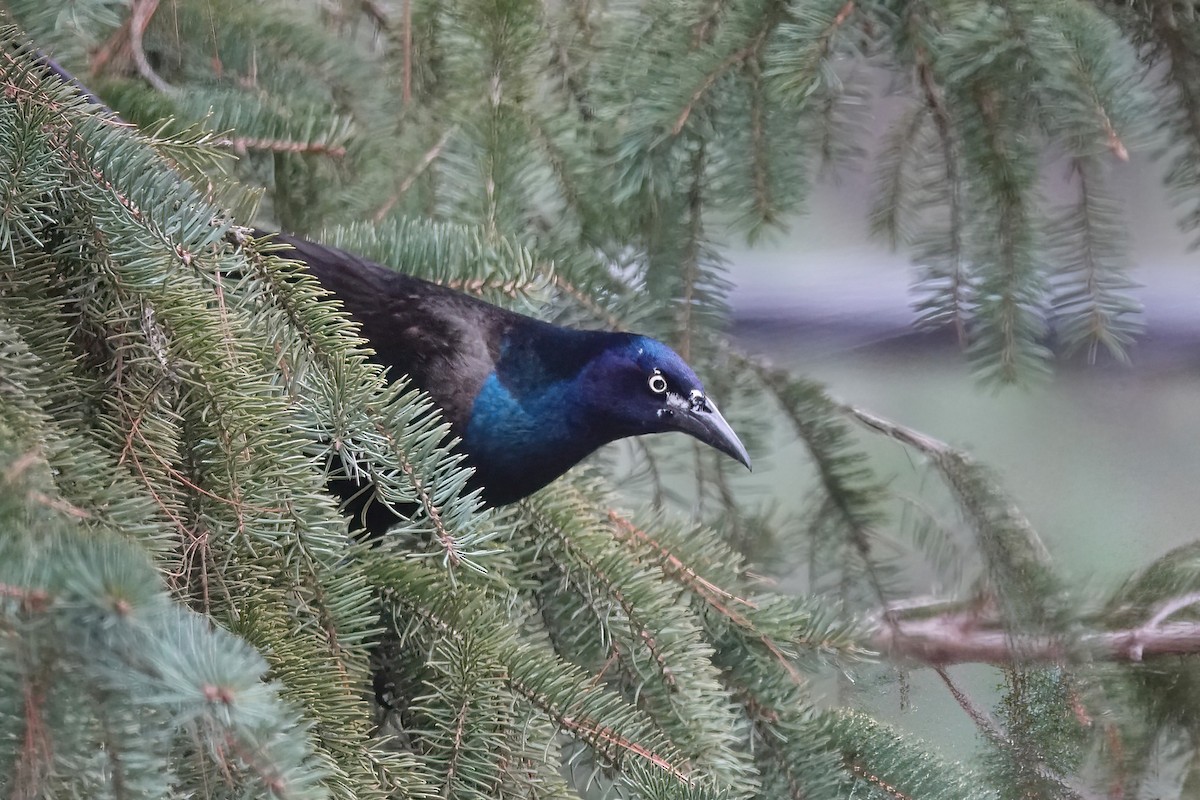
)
(445, 341)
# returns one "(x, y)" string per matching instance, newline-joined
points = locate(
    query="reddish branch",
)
(676, 567)
(876, 781)
(718, 599)
(602, 738)
(610, 584)
(36, 751)
(730, 61)
(31, 600)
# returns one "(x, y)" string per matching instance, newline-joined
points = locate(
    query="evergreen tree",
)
(181, 610)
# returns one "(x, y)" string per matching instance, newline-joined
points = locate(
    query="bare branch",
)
(962, 639)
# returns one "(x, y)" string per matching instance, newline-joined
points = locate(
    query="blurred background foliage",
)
(170, 384)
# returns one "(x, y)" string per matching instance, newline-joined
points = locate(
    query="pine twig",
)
(244, 144)
(935, 101)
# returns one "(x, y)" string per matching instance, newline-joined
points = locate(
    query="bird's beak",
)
(698, 416)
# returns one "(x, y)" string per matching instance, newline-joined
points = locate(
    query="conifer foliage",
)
(182, 612)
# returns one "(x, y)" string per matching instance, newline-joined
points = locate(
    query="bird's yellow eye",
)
(658, 384)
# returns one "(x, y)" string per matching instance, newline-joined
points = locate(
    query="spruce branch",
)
(187, 392)
(243, 144)
(751, 50)
(797, 72)
(1009, 293)
(572, 80)
(722, 601)
(888, 217)
(877, 758)
(703, 28)
(118, 631)
(785, 631)
(852, 492)
(691, 256)
(948, 460)
(601, 738)
(1091, 300)
(584, 299)
(1016, 559)
(406, 28)
(566, 695)
(1184, 73)
(763, 202)
(956, 292)
(657, 641)
(728, 63)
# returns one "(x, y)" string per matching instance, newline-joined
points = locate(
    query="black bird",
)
(527, 399)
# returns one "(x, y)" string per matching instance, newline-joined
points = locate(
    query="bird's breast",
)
(518, 443)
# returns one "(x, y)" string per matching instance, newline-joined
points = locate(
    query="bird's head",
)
(640, 385)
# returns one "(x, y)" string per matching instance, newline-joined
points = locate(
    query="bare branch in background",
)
(964, 638)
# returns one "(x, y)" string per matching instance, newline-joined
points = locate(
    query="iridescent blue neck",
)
(533, 417)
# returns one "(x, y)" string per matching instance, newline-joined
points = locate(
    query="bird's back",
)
(445, 341)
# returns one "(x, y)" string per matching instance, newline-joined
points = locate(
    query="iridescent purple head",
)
(639, 385)
(558, 394)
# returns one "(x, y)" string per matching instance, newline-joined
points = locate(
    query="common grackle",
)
(527, 399)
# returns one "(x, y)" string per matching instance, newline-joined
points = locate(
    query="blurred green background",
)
(1103, 459)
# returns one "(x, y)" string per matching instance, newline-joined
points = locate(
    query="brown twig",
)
(428, 158)
(730, 61)
(876, 781)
